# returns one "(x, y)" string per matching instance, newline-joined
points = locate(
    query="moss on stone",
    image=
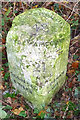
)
(37, 49)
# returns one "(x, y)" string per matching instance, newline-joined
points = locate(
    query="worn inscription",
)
(55, 82)
(37, 50)
(41, 27)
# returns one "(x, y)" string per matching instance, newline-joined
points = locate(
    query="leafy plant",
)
(6, 76)
(8, 107)
(2, 69)
(6, 64)
(22, 114)
(74, 23)
(36, 111)
(8, 11)
(78, 77)
(7, 85)
(77, 72)
(3, 114)
(70, 105)
(12, 95)
(75, 57)
(56, 6)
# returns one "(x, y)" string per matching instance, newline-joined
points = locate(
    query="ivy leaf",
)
(3, 22)
(6, 64)
(36, 110)
(76, 92)
(79, 66)
(8, 107)
(8, 11)
(2, 69)
(3, 114)
(42, 115)
(75, 57)
(74, 23)
(77, 72)
(12, 95)
(22, 113)
(48, 110)
(6, 76)
(78, 77)
(56, 6)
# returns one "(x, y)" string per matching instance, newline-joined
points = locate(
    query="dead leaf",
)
(76, 15)
(1, 73)
(67, 102)
(75, 64)
(57, 113)
(14, 105)
(52, 8)
(35, 6)
(20, 3)
(3, 41)
(46, 107)
(5, 9)
(17, 111)
(1, 87)
(42, 111)
(70, 84)
(74, 80)
(59, 6)
(71, 71)
(64, 94)
(9, 100)
(21, 109)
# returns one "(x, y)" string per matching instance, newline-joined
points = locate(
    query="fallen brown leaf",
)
(70, 84)
(71, 71)
(14, 105)
(35, 6)
(17, 111)
(42, 111)
(1, 87)
(3, 41)
(75, 64)
(74, 80)
(57, 113)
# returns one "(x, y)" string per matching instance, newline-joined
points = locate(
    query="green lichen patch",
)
(37, 50)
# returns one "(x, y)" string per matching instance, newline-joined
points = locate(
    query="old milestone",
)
(37, 49)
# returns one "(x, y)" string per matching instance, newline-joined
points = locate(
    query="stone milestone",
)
(37, 49)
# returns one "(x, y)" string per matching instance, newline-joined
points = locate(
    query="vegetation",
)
(66, 104)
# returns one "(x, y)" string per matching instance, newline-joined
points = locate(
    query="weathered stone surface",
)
(37, 50)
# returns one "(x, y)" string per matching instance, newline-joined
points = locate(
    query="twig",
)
(72, 11)
(76, 37)
(46, 4)
(73, 44)
(60, 3)
(3, 102)
(76, 51)
(14, 9)
(71, 77)
(65, 112)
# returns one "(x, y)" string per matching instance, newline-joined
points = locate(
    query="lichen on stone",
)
(37, 49)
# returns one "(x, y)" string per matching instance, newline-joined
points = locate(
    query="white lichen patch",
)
(37, 50)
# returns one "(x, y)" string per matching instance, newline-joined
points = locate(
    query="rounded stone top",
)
(41, 24)
(37, 49)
